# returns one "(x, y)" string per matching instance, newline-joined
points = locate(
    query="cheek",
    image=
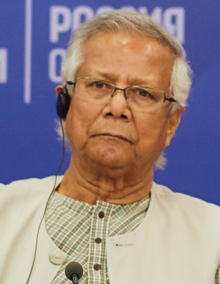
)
(152, 131)
(80, 119)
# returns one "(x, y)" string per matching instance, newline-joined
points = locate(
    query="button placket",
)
(99, 232)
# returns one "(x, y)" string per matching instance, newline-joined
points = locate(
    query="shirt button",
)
(101, 214)
(97, 266)
(98, 240)
(57, 257)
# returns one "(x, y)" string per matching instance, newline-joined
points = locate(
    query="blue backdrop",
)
(33, 39)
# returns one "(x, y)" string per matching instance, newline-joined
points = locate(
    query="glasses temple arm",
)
(70, 83)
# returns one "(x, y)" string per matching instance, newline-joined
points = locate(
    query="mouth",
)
(113, 136)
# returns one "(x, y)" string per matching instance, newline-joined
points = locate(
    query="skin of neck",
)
(89, 182)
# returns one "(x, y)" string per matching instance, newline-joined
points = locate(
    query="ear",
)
(173, 122)
(59, 89)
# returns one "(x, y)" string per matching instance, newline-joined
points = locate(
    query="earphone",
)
(63, 103)
(62, 107)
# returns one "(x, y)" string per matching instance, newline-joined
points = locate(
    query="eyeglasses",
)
(139, 97)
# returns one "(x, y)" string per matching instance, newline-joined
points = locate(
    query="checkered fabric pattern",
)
(217, 276)
(80, 230)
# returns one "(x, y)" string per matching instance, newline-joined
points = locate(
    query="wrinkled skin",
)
(113, 146)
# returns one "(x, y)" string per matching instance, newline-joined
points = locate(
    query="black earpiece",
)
(63, 103)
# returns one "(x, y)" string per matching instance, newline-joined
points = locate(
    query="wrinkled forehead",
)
(129, 54)
(141, 43)
(133, 33)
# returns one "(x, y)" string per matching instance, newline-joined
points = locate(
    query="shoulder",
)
(181, 204)
(32, 184)
(163, 192)
(24, 191)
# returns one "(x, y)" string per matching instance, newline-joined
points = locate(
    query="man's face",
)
(113, 135)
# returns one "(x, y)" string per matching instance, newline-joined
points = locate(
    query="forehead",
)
(127, 58)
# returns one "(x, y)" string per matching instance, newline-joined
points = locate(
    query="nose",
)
(118, 106)
(123, 90)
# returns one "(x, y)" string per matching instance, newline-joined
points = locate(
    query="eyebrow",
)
(108, 76)
(137, 81)
(131, 81)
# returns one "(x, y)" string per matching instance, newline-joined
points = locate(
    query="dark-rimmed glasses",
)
(100, 91)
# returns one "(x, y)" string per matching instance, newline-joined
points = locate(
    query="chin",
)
(111, 158)
(112, 163)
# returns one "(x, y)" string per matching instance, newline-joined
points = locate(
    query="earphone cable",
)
(54, 188)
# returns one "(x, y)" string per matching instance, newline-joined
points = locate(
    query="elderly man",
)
(125, 84)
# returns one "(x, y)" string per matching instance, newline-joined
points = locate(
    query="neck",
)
(117, 186)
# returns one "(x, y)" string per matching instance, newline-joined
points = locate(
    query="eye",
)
(98, 85)
(101, 85)
(141, 92)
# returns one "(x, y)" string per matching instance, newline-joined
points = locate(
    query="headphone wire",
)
(53, 190)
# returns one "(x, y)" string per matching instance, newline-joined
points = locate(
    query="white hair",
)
(131, 22)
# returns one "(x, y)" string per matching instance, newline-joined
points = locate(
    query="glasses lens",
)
(139, 98)
(145, 98)
(92, 89)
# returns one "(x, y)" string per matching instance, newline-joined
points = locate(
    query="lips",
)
(113, 136)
